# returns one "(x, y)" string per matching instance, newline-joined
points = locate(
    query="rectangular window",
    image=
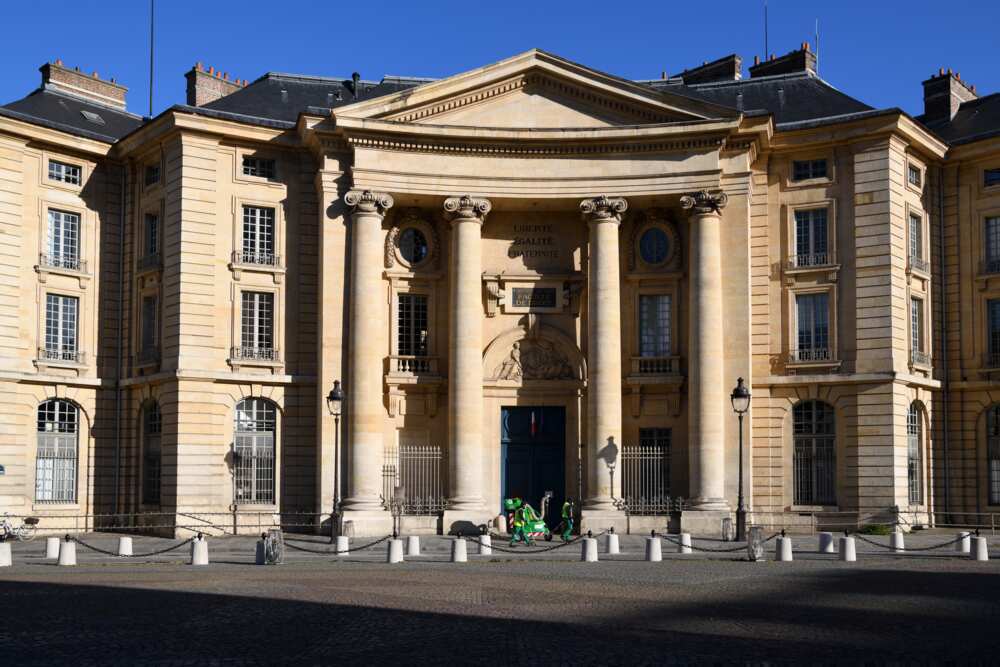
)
(151, 235)
(991, 177)
(258, 236)
(993, 335)
(147, 345)
(60, 327)
(55, 468)
(813, 321)
(411, 325)
(654, 325)
(914, 464)
(63, 242)
(255, 166)
(992, 233)
(64, 173)
(811, 238)
(803, 170)
(913, 175)
(916, 325)
(257, 326)
(151, 455)
(152, 174)
(916, 237)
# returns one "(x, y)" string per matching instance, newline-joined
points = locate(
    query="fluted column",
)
(604, 355)
(365, 349)
(707, 392)
(465, 362)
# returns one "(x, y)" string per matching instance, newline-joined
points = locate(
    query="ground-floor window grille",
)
(412, 477)
(253, 452)
(993, 452)
(914, 460)
(815, 457)
(646, 473)
(55, 462)
(152, 426)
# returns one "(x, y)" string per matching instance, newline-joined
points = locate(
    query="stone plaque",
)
(534, 297)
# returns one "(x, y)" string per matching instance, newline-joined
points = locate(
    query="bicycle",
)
(24, 532)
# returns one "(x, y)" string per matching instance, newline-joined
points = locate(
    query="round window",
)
(654, 246)
(413, 245)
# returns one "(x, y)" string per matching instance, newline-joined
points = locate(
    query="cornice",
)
(47, 135)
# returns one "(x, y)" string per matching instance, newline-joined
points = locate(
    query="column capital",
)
(603, 209)
(703, 201)
(366, 201)
(466, 209)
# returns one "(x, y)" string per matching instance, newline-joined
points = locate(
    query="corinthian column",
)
(465, 363)
(604, 363)
(707, 397)
(367, 331)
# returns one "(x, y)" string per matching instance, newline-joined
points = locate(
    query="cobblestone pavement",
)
(933, 606)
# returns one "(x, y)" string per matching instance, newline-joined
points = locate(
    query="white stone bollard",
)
(413, 545)
(6, 558)
(847, 550)
(783, 549)
(199, 551)
(980, 550)
(897, 542)
(394, 551)
(67, 552)
(124, 546)
(485, 545)
(654, 549)
(52, 547)
(588, 553)
(826, 544)
(459, 551)
(260, 556)
(964, 544)
(611, 545)
(685, 546)
(343, 545)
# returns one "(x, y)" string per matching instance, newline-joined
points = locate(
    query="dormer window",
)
(804, 170)
(255, 166)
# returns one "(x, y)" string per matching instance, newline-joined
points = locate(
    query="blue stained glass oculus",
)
(654, 246)
(413, 245)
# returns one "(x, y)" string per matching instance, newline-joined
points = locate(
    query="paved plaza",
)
(546, 608)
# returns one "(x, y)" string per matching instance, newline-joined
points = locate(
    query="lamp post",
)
(335, 403)
(740, 399)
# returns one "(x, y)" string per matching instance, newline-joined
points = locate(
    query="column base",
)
(705, 522)
(365, 523)
(467, 522)
(599, 520)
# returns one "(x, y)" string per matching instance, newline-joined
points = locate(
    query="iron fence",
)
(646, 479)
(412, 479)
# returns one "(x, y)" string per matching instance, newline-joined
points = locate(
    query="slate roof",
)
(61, 111)
(976, 119)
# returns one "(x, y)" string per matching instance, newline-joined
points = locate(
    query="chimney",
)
(729, 68)
(207, 86)
(943, 94)
(56, 76)
(800, 61)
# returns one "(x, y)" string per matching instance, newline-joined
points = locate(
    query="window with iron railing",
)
(993, 333)
(257, 327)
(56, 458)
(812, 241)
(813, 328)
(71, 174)
(814, 454)
(253, 451)
(148, 329)
(61, 314)
(655, 335)
(258, 237)
(411, 325)
(914, 456)
(916, 324)
(63, 241)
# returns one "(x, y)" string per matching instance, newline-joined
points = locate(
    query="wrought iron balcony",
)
(408, 364)
(919, 264)
(60, 261)
(919, 358)
(251, 258)
(810, 355)
(808, 260)
(60, 355)
(150, 262)
(656, 365)
(266, 354)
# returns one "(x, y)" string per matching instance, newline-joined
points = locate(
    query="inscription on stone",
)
(534, 297)
(536, 241)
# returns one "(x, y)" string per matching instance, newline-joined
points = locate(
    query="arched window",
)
(152, 425)
(55, 463)
(253, 451)
(914, 453)
(993, 452)
(815, 453)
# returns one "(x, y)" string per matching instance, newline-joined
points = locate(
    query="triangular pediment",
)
(534, 90)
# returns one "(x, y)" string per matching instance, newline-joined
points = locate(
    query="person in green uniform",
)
(520, 519)
(567, 519)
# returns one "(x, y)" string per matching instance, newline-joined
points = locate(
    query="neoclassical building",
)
(530, 277)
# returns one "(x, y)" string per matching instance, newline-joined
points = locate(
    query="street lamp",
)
(740, 399)
(335, 404)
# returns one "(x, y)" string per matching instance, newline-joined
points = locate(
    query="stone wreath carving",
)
(534, 359)
(411, 218)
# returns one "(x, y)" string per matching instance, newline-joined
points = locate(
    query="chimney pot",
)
(756, 60)
(958, 75)
(805, 46)
(95, 75)
(211, 70)
(663, 74)
(226, 76)
(973, 88)
(772, 57)
(59, 61)
(949, 70)
(198, 66)
(940, 71)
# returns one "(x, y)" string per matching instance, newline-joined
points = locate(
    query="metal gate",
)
(412, 478)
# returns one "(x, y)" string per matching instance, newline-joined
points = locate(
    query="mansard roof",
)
(62, 111)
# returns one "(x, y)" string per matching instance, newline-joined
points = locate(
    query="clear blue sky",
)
(878, 51)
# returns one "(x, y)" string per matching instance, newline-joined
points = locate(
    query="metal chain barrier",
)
(511, 550)
(335, 552)
(145, 555)
(891, 548)
(741, 547)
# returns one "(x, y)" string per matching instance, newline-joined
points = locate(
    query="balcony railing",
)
(251, 258)
(806, 260)
(920, 358)
(810, 355)
(150, 262)
(989, 266)
(60, 355)
(244, 353)
(407, 364)
(66, 262)
(920, 264)
(656, 365)
(991, 361)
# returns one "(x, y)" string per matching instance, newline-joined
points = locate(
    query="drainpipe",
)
(118, 373)
(942, 327)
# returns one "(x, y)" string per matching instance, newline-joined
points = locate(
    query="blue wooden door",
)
(533, 443)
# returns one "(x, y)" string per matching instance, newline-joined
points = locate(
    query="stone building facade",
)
(528, 277)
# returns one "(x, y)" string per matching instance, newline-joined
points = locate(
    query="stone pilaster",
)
(365, 348)
(467, 507)
(708, 396)
(604, 364)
